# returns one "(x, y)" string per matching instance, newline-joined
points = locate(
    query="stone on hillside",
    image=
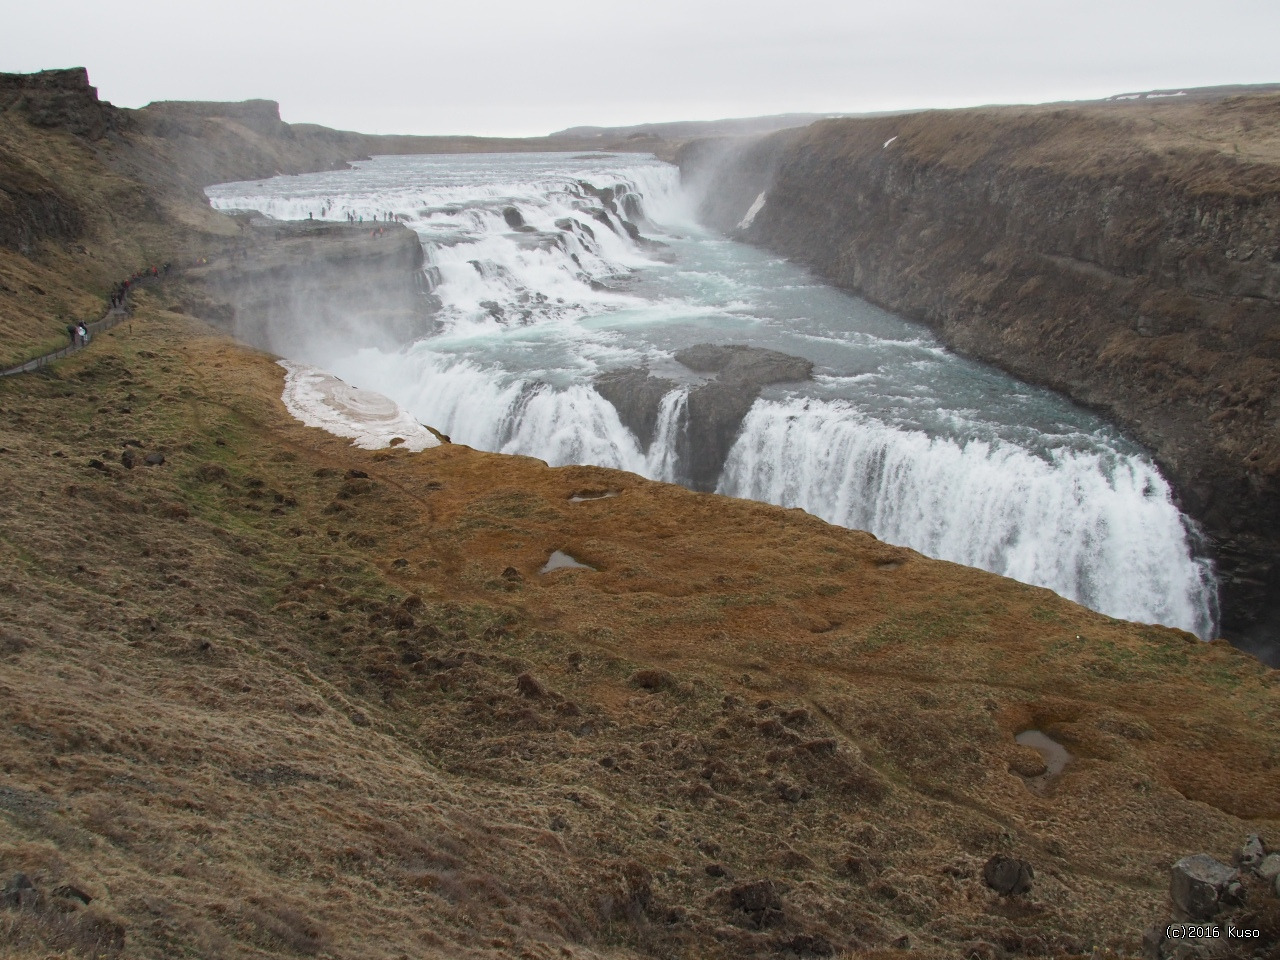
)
(1252, 853)
(1269, 868)
(1008, 876)
(653, 679)
(1198, 883)
(154, 459)
(128, 459)
(530, 686)
(759, 901)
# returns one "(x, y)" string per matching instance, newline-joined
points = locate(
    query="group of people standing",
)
(79, 334)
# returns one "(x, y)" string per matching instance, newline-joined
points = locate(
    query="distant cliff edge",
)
(1126, 254)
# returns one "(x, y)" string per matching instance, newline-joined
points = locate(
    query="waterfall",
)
(1099, 529)
(551, 270)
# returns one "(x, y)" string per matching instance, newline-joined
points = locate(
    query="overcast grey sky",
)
(519, 68)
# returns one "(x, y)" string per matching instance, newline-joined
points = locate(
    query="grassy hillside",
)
(276, 696)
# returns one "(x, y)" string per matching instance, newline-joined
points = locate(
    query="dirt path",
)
(109, 319)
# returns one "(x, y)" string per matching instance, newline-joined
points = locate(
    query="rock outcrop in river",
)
(1126, 254)
(736, 375)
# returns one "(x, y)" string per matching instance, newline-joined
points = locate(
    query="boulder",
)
(1198, 884)
(1252, 853)
(759, 901)
(1269, 868)
(530, 686)
(1008, 876)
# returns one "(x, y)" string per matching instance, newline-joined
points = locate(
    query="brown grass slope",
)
(279, 697)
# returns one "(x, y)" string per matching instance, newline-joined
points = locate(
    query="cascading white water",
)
(1099, 529)
(661, 461)
(543, 286)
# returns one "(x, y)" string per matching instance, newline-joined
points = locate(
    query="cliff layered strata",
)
(291, 288)
(1125, 254)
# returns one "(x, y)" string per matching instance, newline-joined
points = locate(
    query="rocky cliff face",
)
(1125, 254)
(295, 287)
(59, 99)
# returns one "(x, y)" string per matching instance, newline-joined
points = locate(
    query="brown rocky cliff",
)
(1127, 255)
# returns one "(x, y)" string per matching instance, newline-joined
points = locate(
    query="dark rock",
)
(128, 459)
(514, 218)
(356, 475)
(759, 901)
(97, 464)
(154, 459)
(715, 410)
(1197, 885)
(716, 870)
(653, 679)
(788, 791)
(1008, 876)
(70, 892)
(637, 397)
(20, 893)
(512, 575)
(530, 686)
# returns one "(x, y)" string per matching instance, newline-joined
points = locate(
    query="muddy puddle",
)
(1055, 757)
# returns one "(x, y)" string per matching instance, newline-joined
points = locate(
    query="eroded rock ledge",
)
(715, 408)
(293, 285)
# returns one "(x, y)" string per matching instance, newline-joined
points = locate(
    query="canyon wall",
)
(1125, 254)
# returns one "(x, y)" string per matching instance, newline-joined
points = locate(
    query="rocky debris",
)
(154, 459)
(512, 575)
(1008, 876)
(759, 901)
(1199, 884)
(1269, 868)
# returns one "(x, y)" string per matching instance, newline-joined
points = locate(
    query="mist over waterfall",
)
(549, 272)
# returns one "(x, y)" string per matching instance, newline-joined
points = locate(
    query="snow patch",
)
(370, 420)
(751, 213)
